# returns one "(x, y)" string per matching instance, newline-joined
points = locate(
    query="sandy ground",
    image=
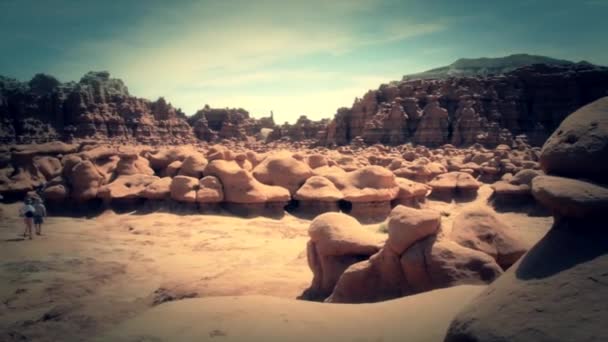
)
(85, 277)
(424, 317)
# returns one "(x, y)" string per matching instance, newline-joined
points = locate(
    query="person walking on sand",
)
(39, 215)
(27, 212)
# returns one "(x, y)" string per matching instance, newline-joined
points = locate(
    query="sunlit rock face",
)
(556, 290)
(525, 104)
(97, 107)
(492, 109)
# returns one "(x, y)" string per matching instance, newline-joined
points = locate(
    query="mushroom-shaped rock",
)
(219, 152)
(193, 165)
(336, 242)
(243, 161)
(570, 198)
(411, 193)
(125, 189)
(525, 177)
(555, 292)
(428, 264)
(318, 195)
(450, 264)
(420, 172)
(85, 181)
(209, 190)
(579, 146)
(406, 226)
(161, 159)
(243, 193)
(283, 170)
(370, 190)
(56, 191)
(478, 228)
(184, 188)
(508, 194)
(50, 167)
(172, 169)
(454, 185)
(132, 164)
(317, 160)
(160, 189)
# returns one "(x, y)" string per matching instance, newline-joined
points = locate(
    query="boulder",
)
(406, 226)
(125, 189)
(318, 195)
(579, 146)
(193, 165)
(85, 181)
(132, 164)
(243, 193)
(283, 170)
(478, 228)
(336, 242)
(370, 190)
(570, 197)
(209, 190)
(411, 193)
(183, 189)
(555, 292)
(160, 189)
(459, 185)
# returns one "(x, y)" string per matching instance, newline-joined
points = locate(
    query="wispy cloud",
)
(235, 43)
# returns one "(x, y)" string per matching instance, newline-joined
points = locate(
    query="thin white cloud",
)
(229, 44)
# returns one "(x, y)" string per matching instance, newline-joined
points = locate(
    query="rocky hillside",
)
(528, 103)
(469, 67)
(98, 107)
(487, 101)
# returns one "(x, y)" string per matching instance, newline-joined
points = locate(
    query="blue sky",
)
(293, 57)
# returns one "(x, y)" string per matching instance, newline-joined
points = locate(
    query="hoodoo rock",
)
(407, 226)
(336, 242)
(125, 190)
(243, 193)
(456, 184)
(184, 188)
(158, 190)
(317, 196)
(210, 193)
(529, 102)
(478, 228)
(557, 290)
(369, 190)
(415, 258)
(283, 170)
(433, 126)
(579, 146)
(97, 107)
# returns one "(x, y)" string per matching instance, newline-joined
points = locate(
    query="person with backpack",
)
(27, 212)
(39, 215)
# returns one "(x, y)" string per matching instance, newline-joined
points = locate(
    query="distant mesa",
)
(470, 67)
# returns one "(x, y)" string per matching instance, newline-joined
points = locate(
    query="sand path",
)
(85, 276)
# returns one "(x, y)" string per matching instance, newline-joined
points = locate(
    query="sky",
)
(292, 57)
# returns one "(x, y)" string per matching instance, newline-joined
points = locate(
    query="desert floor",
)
(120, 276)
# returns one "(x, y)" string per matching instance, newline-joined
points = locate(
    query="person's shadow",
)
(19, 239)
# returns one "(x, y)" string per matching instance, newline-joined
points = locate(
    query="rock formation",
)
(526, 102)
(557, 291)
(417, 257)
(96, 107)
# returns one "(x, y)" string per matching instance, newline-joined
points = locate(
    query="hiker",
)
(27, 212)
(39, 215)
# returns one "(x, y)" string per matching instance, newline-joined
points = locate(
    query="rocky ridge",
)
(520, 102)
